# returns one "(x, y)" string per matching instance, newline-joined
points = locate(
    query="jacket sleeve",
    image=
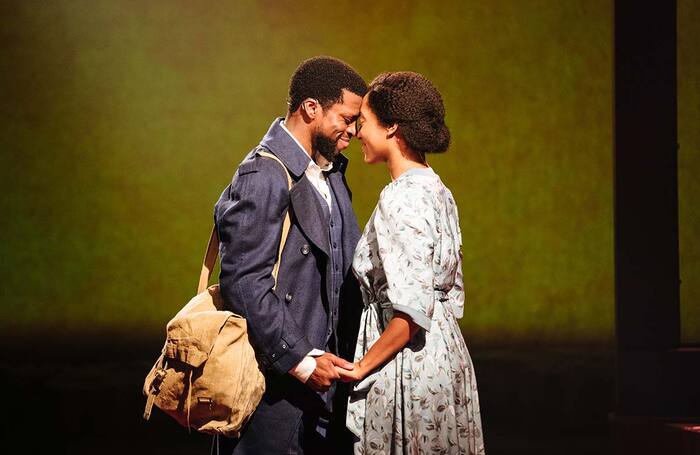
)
(249, 217)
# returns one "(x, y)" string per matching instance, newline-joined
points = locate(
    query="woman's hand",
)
(398, 332)
(356, 374)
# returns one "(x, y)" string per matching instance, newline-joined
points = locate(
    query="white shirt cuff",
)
(306, 367)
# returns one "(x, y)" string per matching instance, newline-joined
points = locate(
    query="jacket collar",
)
(281, 144)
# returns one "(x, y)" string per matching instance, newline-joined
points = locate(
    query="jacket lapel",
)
(309, 214)
(306, 203)
(279, 142)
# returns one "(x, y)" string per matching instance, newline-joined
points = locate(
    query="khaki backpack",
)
(207, 377)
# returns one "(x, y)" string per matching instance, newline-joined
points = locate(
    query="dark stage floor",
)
(62, 399)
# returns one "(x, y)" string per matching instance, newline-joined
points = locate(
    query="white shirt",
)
(315, 174)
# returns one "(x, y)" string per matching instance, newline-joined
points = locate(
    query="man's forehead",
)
(350, 105)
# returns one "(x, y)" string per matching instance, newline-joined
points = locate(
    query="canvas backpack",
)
(207, 376)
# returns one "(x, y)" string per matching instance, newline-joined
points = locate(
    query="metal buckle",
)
(206, 400)
(158, 380)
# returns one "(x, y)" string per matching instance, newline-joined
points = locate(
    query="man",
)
(294, 328)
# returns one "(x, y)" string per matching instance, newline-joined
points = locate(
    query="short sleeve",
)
(405, 245)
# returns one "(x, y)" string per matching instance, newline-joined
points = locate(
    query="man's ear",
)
(391, 131)
(310, 108)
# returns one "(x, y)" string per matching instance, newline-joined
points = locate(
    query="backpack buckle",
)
(207, 401)
(158, 380)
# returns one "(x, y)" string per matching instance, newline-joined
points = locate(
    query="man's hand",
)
(325, 372)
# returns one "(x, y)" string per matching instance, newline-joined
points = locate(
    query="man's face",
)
(336, 126)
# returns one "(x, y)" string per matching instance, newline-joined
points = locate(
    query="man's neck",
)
(296, 126)
(322, 162)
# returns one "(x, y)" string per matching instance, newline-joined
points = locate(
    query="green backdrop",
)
(122, 121)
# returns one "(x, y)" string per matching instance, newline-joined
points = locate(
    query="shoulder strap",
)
(287, 218)
(213, 246)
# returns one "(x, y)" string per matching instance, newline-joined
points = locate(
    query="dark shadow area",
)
(84, 396)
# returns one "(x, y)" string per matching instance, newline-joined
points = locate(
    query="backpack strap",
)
(213, 246)
(154, 388)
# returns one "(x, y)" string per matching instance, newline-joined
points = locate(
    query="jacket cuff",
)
(285, 356)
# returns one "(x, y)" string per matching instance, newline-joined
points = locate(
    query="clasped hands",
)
(331, 368)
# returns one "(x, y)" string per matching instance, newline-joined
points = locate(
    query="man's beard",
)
(324, 146)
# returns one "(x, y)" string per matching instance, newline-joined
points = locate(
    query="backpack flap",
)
(191, 337)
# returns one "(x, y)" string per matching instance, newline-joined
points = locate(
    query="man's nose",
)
(351, 130)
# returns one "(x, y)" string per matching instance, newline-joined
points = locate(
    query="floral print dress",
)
(408, 259)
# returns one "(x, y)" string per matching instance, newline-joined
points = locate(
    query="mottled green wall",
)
(689, 166)
(122, 121)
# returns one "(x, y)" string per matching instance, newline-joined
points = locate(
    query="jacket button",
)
(305, 250)
(288, 297)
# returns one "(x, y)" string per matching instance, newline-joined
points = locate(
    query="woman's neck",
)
(398, 163)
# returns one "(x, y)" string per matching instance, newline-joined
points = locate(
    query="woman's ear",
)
(391, 131)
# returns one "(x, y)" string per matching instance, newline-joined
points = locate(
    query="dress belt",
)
(439, 294)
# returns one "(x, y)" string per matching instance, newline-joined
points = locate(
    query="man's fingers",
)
(342, 363)
(320, 383)
(343, 376)
(333, 372)
(335, 361)
(326, 364)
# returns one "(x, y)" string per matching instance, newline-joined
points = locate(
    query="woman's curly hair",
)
(411, 101)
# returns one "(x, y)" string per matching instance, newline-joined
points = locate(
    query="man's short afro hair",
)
(323, 78)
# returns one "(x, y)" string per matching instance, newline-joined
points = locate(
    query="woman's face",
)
(372, 135)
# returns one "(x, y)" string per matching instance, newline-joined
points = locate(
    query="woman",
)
(415, 390)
